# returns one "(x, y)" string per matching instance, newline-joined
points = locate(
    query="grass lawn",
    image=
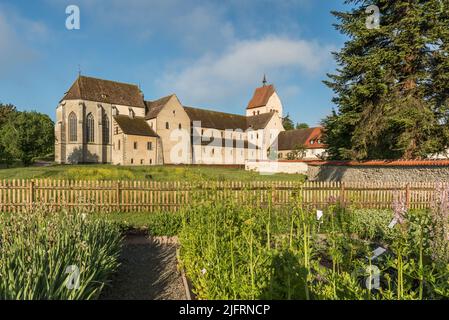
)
(156, 223)
(154, 173)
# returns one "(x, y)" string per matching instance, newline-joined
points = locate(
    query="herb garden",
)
(231, 251)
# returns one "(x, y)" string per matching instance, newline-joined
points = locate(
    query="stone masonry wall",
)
(378, 173)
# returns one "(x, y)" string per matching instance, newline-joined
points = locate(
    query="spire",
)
(264, 81)
(79, 70)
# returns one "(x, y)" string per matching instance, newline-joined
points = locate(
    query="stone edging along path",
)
(150, 270)
(174, 240)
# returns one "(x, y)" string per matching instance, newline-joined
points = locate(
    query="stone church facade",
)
(102, 121)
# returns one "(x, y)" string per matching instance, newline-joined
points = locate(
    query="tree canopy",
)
(302, 126)
(24, 135)
(392, 82)
(288, 123)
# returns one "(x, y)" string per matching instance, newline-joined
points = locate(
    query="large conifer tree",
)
(392, 84)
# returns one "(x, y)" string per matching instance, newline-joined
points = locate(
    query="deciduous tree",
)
(27, 135)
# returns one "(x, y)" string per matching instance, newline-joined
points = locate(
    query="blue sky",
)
(212, 54)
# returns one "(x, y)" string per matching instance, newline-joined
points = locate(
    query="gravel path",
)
(148, 271)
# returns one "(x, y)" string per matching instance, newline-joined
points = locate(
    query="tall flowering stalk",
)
(439, 226)
(399, 208)
(399, 246)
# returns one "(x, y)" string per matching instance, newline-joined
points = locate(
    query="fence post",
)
(407, 196)
(31, 196)
(342, 194)
(118, 195)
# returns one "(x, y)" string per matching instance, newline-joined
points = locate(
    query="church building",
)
(102, 121)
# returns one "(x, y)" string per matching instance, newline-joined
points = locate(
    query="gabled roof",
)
(223, 121)
(261, 96)
(259, 121)
(216, 120)
(154, 107)
(290, 140)
(105, 91)
(135, 127)
(219, 142)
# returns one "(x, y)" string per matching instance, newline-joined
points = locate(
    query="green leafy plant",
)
(39, 251)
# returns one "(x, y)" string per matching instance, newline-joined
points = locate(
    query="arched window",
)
(90, 128)
(72, 127)
(106, 138)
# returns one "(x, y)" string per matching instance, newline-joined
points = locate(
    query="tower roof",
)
(261, 96)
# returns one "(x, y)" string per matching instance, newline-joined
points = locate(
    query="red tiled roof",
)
(261, 97)
(384, 163)
(374, 163)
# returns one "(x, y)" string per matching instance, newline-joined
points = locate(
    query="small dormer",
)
(131, 113)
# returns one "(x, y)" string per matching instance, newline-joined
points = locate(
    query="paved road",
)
(148, 272)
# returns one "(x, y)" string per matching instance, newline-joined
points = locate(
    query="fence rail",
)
(133, 196)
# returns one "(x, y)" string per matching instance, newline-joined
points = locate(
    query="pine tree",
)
(392, 84)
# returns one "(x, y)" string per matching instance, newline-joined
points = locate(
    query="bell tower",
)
(264, 100)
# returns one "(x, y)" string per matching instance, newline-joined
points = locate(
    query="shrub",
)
(164, 224)
(371, 224)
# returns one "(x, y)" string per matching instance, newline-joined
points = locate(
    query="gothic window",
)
(90, 128)
(105, 129)
(72, 127)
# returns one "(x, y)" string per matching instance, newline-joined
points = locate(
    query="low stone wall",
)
(406, 173)
(271, 167)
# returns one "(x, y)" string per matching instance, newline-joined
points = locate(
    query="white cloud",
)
(218, 78)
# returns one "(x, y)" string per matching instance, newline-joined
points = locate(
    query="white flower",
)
(203, 272)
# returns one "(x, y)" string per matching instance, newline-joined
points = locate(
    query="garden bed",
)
(231, 251)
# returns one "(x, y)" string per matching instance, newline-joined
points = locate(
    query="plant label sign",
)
(379, 251)
(393, 223)
(319, 214)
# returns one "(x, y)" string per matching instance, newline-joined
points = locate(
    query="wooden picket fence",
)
(148, 196)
